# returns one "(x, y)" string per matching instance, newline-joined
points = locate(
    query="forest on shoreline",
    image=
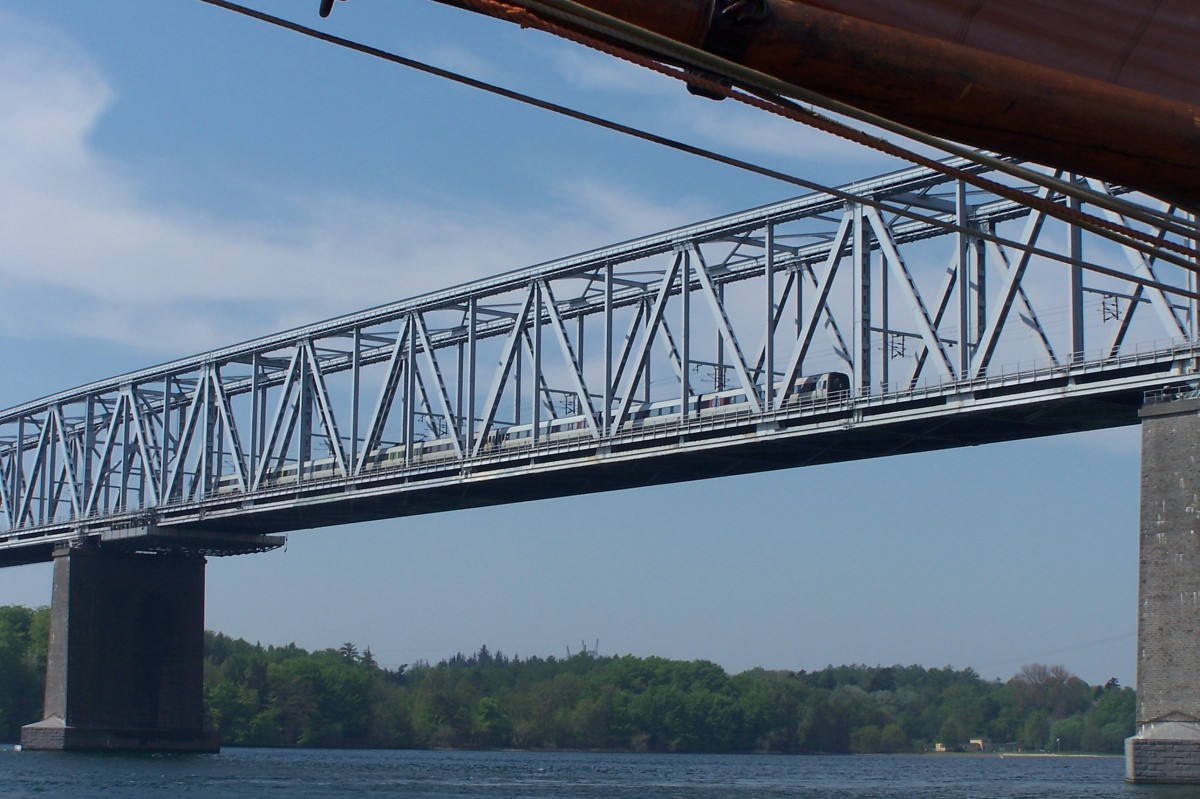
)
(286, 696)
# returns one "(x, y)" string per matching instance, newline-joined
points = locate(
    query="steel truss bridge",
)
(908, 312)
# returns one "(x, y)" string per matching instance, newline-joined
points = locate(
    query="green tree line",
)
(24, 637)
(287, 696)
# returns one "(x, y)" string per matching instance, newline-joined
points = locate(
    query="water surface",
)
(519, 775)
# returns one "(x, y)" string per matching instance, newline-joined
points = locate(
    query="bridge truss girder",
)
(907, 282)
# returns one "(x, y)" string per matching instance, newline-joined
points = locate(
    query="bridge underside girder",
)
(842, 435)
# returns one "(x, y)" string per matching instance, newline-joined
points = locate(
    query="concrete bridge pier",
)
(126, 659)
(1166, 746)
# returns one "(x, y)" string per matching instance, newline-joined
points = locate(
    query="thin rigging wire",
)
(762, 88)
(510, 94)
(770, 94)
(618, 127)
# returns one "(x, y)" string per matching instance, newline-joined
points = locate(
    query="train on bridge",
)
(827, 387)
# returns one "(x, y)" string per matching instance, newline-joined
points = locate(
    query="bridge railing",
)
(836, 403)
(836, 409)
(1157, 396)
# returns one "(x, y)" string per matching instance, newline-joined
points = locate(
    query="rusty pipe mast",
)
(1101, 87)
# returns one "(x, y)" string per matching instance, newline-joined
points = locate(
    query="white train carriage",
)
(813, 388)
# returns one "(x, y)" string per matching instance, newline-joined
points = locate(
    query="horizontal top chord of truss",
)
(878, 289)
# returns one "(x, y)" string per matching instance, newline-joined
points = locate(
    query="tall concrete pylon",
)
(125, 667)
(1166, 746)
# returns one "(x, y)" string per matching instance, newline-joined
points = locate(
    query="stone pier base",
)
(1167, 753)
(54, 734)
(125, 665)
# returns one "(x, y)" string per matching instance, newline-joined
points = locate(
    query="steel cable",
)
(524, 17)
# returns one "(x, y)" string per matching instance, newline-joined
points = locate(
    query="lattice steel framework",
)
(911, 284)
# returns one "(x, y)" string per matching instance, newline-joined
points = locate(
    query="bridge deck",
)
(876, 319)
(728, 441)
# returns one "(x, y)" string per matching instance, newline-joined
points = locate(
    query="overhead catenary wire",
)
(1054, 209)
(1072, 647)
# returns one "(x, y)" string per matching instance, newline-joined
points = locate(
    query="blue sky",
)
(175, 178)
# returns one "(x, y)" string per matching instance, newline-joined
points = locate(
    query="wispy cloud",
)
(738, 128)
(51, 97)
(460, 59)
(588, 69)
(85, 254)
(727, 126)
